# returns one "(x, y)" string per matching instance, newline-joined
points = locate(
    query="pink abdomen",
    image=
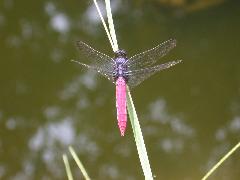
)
(121, 104)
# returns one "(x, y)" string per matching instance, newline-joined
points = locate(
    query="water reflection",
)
(54, 133)
(159, 113)
(60, 23)
(234, 125)
(27, 30)
(232, 128)
(179, 130)
(90, 19)
(79, 85)
(48, 103)
(11, 123)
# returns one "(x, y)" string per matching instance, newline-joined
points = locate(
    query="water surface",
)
(189, 114)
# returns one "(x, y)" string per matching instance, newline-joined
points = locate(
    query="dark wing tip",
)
(173, 41)
(79, 43)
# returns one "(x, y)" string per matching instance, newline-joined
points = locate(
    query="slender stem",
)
(221, 161)
(67, 166)
(111, 25)
(80, 165)
(104, 25)
(141, 148)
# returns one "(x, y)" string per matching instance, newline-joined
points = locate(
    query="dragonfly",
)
(124, 71)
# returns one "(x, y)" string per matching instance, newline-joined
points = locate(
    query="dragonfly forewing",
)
(106, 74)
(96, 60)
(95, 56)
(151, 56)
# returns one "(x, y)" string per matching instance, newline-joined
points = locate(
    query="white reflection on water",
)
(159, 113)
(62, 132)
(28, 168)
(2, 20)
(217, 152)
(11, 123)
(52, 112)
(91, 19)
(91, 14)
(109, 171)
(234, 125)
(49, 141)
(21, 87)
(180, 127)
(60, 23)
(220, 134)
(50, 8)
(82, 103)
(170, 145)
(87, 146)
(174, 132)
(27, 29)
(223, 135)
(78, 84)
(89, 80)
(8, 4)
(37, 141)
(2, 170)
(14, 41)
(56, 54)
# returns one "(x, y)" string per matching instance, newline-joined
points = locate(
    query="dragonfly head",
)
(120, 53)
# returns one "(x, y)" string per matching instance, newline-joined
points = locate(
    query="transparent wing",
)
(135, 77)
(106, 74)
(96, 60)
(149, 57)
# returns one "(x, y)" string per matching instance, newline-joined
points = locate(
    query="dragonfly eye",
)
(114, 74)
(120, 53)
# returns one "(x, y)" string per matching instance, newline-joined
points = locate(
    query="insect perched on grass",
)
(123, 71)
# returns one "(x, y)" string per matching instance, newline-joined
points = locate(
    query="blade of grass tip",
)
(67, 166)
(142, 151)
(111, 25)
(79, 163)
(104, 25)
(221, 161)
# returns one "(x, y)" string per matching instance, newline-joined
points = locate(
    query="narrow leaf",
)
(79, 163)
(221, 161)
(67, 166)
(142, 152)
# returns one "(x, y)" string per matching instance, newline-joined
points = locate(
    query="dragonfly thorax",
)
(120, 69)
(120, 53)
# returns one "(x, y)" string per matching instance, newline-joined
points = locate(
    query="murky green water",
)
(190, 114)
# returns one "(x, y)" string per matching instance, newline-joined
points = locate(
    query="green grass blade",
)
(67, 166)
(142, 152)
(80, 165)
(221, 161)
